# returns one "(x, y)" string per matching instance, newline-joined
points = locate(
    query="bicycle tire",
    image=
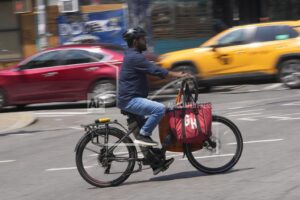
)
(231, 163)
(131, 163)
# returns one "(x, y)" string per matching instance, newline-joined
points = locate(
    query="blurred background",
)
(41, 63)
(27, 26)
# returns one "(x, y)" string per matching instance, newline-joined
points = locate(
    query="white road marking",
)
(244, 111)
(21, 134)
(174, 155)
(235, 108)
(257, 141)
(214, 156)
(244, 114)
(296, 103)
(273, 86)
(254, 90)
(279, 118)
(290, 114)
(60, 169)
(285, 117)
(290, 118)
(67, 168)
(51, 116)
(247, 119)
(256, 101)
(58, 114)
(77, 128)
(7, 161)
(61, 113)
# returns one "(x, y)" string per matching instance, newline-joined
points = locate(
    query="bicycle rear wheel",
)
(222, 153)
(103, 169)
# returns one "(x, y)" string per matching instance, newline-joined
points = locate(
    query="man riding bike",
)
(133, 87)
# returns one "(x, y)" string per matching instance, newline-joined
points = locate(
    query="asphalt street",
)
(38, 162)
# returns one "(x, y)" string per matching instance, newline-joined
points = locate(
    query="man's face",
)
(141, 44)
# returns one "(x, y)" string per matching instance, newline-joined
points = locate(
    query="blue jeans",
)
(145, 107)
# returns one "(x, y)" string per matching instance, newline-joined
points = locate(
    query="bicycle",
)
(116, 154)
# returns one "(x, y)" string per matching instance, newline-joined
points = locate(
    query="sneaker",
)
(163, 167)
(145, 140)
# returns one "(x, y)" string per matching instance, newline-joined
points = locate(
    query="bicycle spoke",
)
(217, 156)
(92, 150)
(110, 167)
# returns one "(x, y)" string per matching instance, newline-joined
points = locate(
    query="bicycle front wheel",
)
(101, 167)
(223, 150)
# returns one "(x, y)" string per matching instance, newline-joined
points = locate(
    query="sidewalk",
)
(13, 121)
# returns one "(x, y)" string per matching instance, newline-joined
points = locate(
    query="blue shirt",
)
(133, 76)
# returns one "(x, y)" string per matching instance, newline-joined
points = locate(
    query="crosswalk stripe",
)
(7, 161)
(273, 86)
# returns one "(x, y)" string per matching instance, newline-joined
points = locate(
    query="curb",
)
(14, 121)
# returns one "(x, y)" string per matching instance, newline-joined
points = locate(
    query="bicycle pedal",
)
(140, 166)
(139, 169)
(107, 171)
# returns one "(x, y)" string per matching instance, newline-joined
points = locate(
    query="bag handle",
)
(186, 92)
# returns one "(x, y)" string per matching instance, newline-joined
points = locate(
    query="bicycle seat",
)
(140, 119)
(123, 112)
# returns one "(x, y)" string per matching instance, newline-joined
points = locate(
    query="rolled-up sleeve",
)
(145, 66)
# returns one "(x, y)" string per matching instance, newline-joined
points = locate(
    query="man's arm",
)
(145, 66)
(178, 74)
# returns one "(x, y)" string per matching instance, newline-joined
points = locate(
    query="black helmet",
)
(133, 33)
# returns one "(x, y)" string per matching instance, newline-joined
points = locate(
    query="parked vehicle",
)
(243, 53)
(66, 73)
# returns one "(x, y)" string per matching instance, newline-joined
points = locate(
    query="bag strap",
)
(204, 120)
(186, 92)
(183, 135)
(196, 112)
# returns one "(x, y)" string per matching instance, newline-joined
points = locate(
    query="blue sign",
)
(103, 27)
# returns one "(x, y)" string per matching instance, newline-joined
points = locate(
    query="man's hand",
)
(179, 74)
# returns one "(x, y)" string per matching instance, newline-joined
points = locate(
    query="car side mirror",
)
(21, 68)
(214, 47)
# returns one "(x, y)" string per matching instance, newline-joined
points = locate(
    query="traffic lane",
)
(220, 94)
(53, 181)
(222, 105)
(67, 184)
(179, 170)
(27, 176)
(254, 163)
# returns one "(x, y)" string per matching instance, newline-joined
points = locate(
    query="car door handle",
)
(50, 74)
(90, 69)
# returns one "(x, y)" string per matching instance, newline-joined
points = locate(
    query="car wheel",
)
(105, 92)
(289, 73)
(191, 70)
(2, 99)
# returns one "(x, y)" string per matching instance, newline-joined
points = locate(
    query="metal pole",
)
(41, 24)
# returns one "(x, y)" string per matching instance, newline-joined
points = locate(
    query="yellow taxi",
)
(243, 53)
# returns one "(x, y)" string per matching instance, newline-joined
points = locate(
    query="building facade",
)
(173, 24)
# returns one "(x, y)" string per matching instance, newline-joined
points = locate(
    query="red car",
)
(67, 73)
